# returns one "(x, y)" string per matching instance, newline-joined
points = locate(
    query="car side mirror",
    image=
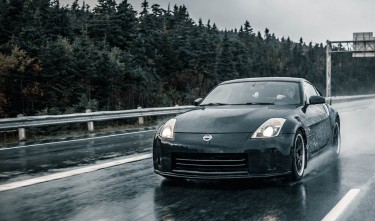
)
(198, 101)
(317, 100)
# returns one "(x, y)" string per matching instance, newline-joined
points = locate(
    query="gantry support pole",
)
(328, 69)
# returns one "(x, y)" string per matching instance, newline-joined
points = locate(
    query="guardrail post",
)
(21, 131)
(179, 111)
(90, 125)
(140, 119)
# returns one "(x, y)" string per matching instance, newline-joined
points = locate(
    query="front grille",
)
(210, 163)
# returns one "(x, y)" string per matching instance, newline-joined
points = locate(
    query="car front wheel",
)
(298, 157)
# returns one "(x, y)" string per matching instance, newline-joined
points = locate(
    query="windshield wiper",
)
(213, 104)
(259, 103)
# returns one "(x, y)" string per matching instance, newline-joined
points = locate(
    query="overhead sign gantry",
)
(363, 45)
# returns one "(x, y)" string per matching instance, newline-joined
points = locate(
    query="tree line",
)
(58, 60)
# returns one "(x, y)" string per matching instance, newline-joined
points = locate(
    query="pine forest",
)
(64, 59)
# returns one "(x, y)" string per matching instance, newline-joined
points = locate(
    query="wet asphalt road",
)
(20, 163)
(133, 192)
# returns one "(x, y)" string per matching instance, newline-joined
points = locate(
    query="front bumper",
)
(225, 156)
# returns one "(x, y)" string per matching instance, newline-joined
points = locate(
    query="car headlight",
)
(270, 128)
(167, 129)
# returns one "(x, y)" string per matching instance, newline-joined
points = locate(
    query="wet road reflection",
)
(134, 192)
(274, 199)
(54, 156)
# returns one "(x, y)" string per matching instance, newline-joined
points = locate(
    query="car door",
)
(317, 120)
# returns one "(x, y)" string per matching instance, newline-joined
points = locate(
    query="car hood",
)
(229, 119)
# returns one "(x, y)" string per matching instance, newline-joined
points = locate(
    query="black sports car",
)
(247, 128)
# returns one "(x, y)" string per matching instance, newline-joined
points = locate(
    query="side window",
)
(309, 90)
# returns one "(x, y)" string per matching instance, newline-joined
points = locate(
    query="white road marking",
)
(341, 206)
(68, 141)
(61, 175)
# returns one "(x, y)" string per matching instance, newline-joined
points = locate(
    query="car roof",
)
(289, 79)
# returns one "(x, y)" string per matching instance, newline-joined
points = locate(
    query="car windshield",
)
(255, 93)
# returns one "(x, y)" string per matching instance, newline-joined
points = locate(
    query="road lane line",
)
(341, 206)
(68, 141)
(65, 174)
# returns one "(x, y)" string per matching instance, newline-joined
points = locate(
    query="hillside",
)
(56, 60)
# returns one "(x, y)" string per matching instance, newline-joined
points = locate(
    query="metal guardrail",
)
(36, 121)
(23, 122)
(341, 99)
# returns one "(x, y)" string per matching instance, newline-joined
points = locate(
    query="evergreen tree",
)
(62, 60)
(226, 69)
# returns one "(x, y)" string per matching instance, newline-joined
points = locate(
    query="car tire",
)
(336, 140)
(298, 157)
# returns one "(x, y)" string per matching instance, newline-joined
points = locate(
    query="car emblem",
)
(207, 137)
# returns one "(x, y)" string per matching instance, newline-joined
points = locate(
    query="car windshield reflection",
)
(255, 93)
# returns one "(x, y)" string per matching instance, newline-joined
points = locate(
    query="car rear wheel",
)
(336, 143)
(298, 157)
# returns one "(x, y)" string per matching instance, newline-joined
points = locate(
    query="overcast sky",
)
(313, 20)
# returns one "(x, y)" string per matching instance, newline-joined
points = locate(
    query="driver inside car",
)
(287, 96)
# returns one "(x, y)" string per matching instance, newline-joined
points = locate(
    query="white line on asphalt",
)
(341, 206)
(68, 141)
(61, 175)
